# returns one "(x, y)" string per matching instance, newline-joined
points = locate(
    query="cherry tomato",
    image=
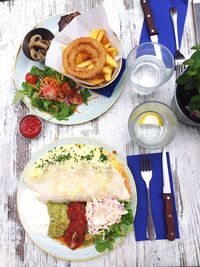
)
(66, 89)
(76, 99)
(32, 79)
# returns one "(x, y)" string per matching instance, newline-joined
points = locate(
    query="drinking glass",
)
(149, 66)
(152, 125)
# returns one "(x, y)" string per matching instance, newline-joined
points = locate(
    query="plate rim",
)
(73, 140)
(38, 112)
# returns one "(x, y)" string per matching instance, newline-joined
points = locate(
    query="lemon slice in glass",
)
(151, 118)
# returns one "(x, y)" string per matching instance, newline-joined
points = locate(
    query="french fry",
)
(111, 61)
(106, 46)
(104, 40)
(107, 77)
(63, 47)
(94, 34)
(100, 35)
(107, 69)
(96, 80)
(112, 51)
(90, 67)
(84, 64)
(82, 57)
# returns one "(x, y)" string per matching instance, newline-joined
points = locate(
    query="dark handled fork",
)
(179, 58)
(146, 173)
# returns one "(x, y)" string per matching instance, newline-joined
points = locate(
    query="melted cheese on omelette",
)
(78, 173)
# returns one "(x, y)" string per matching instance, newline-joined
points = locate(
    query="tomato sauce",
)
(30, 126)
(75, 233)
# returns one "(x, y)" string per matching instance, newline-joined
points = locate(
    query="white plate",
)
(44, 242)
(95, 107)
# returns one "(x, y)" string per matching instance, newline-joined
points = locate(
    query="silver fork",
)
(179, 58)
(146, 173)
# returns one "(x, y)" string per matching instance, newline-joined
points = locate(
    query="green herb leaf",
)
(85, 93)
(195, 47)
(195, 98)
(191, 72)
(189, 62)
(106, 240)
(19, 95)
(194, 106)
(183, 79)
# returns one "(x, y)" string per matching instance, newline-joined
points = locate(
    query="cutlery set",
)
(147, 175)
(154, 34)
(145, 164)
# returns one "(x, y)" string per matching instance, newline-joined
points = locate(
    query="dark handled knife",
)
(148, 16)
(169, 212)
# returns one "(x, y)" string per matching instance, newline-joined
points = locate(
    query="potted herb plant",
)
(186, 102)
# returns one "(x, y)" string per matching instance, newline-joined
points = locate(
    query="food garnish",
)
(103, 213)
(58, 219)
(65, 20)
(90, 58)
(52, 92)
(38, 47)
(107, 239)
(75, 234)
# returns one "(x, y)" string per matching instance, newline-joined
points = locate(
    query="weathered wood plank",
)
(125, 17)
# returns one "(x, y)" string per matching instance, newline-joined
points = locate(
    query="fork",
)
(179, 58)
(146, 173)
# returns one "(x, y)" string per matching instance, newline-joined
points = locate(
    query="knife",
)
(153, 32)
(167, 195)
(148, 16)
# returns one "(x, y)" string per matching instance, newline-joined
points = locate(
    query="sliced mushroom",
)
(42, 54)
(38, 47)
(36, 38)
(34, 54)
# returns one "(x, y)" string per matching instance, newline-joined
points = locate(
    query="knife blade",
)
(148, 16)
(167, 196)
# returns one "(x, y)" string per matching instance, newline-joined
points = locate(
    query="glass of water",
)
(152, 125)
(149, 66)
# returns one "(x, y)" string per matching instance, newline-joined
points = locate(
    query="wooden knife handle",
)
(148, 16)
(169, 217)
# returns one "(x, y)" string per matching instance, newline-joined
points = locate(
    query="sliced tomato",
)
(32, 79)
(48, 92)
(76, 99)
(66, 89)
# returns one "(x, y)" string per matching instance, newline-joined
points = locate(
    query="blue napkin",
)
(157, 202)
(108, 90)
(163, 23)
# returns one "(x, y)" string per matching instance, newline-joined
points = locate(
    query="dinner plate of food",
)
(77, 199)
(56, 71)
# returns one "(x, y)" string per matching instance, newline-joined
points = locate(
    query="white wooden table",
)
(125, 17)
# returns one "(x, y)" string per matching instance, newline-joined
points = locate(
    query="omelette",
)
(78, 172)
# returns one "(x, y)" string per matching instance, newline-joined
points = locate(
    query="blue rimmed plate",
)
(96, 107)
(44, 242)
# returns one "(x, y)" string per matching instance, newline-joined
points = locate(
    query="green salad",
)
(52, 92)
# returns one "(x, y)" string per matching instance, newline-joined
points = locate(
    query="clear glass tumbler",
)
(152, 125)
(149, 66)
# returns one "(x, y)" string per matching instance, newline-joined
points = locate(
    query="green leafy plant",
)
(190, 80)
